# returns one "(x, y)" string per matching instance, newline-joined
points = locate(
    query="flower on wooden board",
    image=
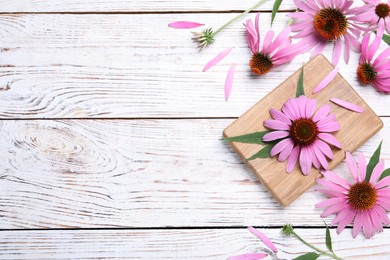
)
(324, 21)
(363, 201)
(263, 237)
(374, 71)
(301, 134)
(274, 52)
(377, 12)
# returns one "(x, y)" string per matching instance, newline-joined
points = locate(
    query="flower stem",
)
(315, 248)
(238, 17)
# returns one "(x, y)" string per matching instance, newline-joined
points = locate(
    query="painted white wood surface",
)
(179, 244)
(138, 173)
(110, 60)
(134, 6)
(133, 66)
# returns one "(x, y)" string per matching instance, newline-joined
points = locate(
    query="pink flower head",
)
(363, 203)
(263, 237)
(302, 134)
(324, 21)
(274, 52)
(377, 12)
(375, 72)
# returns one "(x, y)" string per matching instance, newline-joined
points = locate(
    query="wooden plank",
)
(179, 244)
(75, 66)
(356, 129)
(138, 173)
(133, 6)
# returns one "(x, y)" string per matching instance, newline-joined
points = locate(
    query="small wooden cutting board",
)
(356, 128)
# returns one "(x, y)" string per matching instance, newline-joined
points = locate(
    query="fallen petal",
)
(263, 238)
(247, 257)
(347, 105)
(229, 81)
(184, 25)
(325, 82)
(216, 59)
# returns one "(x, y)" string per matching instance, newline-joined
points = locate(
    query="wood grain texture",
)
(179, 244)
(133, 6)
(356, 128)
(134, 66)
(138, 173)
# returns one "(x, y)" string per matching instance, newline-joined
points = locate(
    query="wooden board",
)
(355, 129)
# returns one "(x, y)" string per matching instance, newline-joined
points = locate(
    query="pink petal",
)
(331, 186)
(358, 224)
(248, 257)
(337, 52)
(330, 202)
(334, 209)
(310, 107)
(263, 238)
(321, 157)
(276, 114)
(333, 177)
(330, 139)
(274, 135)
(292, 159)
(325, 82)
(347, 105)
(216, 59)
(347, 220)
(305, 160)
(287, 150)
(276, 124)
(383, 183)
(184, 25)
(321, 113)
(324, 147)
(362, 167)
(267, 40)
(280, 146)
(376, 173)
(229, 81)
(352, 166)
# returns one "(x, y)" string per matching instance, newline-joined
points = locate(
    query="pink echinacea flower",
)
(274, 52)
(375, 72)
(377, 12)
(363, 203)
(302, 134)
(324, 21)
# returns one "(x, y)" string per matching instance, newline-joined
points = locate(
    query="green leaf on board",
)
(300, 90)
(386, 38)
(308, 256)
(275, 9)
(328, 239)
(253, 138)
(373, 162)
(263, 153)
(385, 173)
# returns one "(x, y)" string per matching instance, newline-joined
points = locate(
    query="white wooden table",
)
(110, 136)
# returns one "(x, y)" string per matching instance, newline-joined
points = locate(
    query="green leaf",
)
(308, 256)
(386, 38)
(300, 90)
(328, 240)
(373, 162)
(253, 138)
(275, 9)
(385, 173)
(263, 153)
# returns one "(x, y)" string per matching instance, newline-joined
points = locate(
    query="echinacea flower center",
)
(362, 196)
(366, 73)
(260, 63)
(382, 10)
(304, 131)
(330, 23)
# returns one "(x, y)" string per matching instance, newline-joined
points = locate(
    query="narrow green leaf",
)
(275, 9)
(373, 162)
(263, 153)
(308, 256)
(385, 173)
(386, 38)
(300, 90)
(253, 138)
(328, 240)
